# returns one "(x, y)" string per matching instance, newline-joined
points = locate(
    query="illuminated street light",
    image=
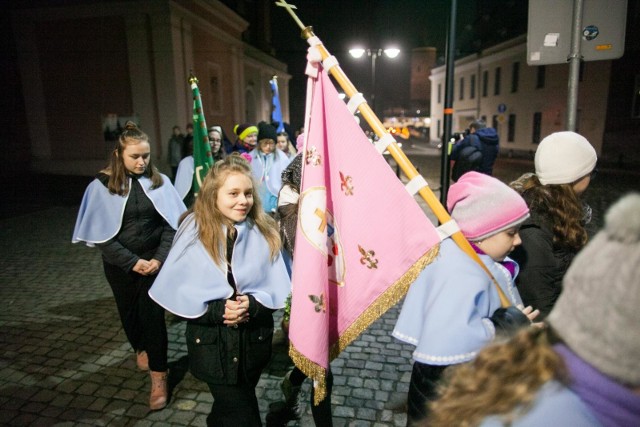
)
(358, 52)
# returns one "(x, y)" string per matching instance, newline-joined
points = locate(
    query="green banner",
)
(202, 159)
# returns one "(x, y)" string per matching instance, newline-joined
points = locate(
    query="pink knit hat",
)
(483, 206)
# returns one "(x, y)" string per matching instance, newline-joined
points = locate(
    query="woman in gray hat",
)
(581, 371)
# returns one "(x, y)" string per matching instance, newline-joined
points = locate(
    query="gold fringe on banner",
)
(380, 306)
(312, 370)
(383, 303)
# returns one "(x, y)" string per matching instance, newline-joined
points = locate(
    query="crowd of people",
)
(562, 353)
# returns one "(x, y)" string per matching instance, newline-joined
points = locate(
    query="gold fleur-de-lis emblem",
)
(313, 157)
(318, 300)
(346, 185)
(368, 258)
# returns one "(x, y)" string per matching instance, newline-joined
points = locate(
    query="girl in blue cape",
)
(226, 275)
(185, 169)
(131, 211)
(453, 308)
(580, 371)
(267, 164)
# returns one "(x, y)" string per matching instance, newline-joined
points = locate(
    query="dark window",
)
(515, 76)
(461, 95)
(485, 83)
(511, 134)
(496, 85)
(483, 118)
(439, 93)
(537, 125)
(472, 87)
(540, 77)
(494, 121)
(581, 71)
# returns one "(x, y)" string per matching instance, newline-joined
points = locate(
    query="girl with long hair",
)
(555, 232)
(226, 275)
(283, 143)
(130, 212)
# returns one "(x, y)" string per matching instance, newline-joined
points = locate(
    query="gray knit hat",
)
(598, 314)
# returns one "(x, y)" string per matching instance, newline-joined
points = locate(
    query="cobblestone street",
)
(65, 361)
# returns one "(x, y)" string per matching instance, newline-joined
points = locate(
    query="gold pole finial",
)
(192, 78)
(307, 32)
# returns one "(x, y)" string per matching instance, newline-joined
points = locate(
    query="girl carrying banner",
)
(453, 309)
(283, 412)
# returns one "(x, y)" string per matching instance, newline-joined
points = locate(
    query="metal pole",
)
(374, 55)
(574, 66)
(448, 104)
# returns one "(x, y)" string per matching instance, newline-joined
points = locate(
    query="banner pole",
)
(398, 155)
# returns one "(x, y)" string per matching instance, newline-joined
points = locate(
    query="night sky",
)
(405, 24)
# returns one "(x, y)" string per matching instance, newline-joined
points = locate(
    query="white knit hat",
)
(563, 158)
(597, 314)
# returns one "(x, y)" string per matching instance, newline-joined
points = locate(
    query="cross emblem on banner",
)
(323, 219)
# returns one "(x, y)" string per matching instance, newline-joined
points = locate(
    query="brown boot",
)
(142, 360)
(159, 392)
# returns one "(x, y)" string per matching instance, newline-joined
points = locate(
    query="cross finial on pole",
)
(192, 78)
(290, 7)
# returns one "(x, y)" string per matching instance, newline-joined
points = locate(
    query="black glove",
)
(509, 320)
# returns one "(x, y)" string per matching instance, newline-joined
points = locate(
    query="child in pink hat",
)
(453, 308)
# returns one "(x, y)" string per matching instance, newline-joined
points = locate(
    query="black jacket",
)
(542, 265)
(219, 354)
(143, 232)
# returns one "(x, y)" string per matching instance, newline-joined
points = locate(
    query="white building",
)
(524, 103)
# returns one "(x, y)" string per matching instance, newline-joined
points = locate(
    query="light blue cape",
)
(189, 278)
(184, 176)
(270, 168)
(100, 215)
(447, 309)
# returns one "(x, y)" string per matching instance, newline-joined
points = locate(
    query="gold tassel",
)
(312, 370)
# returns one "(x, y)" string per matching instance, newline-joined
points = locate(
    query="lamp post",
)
(358, 52)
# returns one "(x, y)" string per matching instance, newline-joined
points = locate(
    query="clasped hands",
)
(147, 268)
(236, 311)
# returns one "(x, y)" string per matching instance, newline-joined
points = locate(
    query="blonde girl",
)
(226, 275)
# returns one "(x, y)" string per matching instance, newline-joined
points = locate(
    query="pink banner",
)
(361, 239)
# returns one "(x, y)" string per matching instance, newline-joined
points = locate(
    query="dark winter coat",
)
(542, 265)
(143, 232)
(219, 354)
(490, 147)
(488, 141)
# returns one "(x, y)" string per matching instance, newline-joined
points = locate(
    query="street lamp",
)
(358, 52)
